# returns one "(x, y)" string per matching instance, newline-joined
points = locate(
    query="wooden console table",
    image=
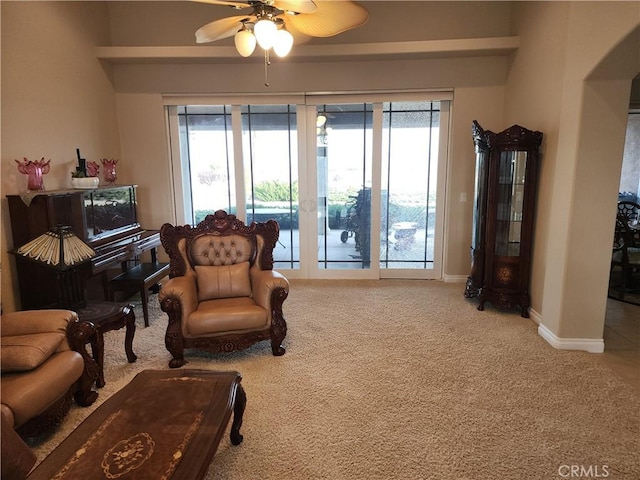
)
(126, 437)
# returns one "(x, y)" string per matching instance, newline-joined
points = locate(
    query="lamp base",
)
(70, 289)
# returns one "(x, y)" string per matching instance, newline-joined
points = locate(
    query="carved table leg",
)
(130, 323)
(238, 412)
(97, 351)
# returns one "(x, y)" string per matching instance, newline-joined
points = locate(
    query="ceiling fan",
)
(278, 23)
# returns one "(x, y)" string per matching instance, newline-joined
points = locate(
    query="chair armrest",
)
(182, 290)
(79, 333)
(17, 458)
(36, 321)
(264, 283)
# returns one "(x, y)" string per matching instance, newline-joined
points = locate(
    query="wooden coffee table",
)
(163, 424)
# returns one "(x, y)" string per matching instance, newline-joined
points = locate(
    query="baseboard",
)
(454, 278)
(590, 345)
(535, 317)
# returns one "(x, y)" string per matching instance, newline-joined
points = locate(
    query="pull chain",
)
(267, 62)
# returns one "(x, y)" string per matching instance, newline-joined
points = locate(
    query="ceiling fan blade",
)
(330, 18)
(298, 37)
(298, 6)
(228, 3)
(218, 29)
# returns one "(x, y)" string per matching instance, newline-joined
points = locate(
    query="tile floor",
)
(622, 341)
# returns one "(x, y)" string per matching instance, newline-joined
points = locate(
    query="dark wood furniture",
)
(228, 322)
(105, 218)
(107, 316)
(629, 212)
(126, 437)
(142, 277)
(626, 249)
(41, 373)
(502, 232)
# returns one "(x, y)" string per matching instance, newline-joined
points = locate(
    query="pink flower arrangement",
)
(93, 169)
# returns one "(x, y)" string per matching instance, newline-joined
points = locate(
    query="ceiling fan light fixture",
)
(245, 42)
(283, 42)
(265, 31)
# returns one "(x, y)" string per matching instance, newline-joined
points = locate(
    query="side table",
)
(107, 316)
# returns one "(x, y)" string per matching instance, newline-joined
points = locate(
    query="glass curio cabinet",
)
(504, 203)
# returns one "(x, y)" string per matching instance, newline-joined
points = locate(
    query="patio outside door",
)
(379, 183)
(357, 185)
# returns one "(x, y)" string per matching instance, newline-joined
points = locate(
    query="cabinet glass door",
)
(511, 179)
(480, 200)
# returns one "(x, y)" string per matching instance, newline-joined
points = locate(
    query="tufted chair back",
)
(220, 250)
(220, 239)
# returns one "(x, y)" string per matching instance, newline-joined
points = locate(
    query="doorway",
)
(356, 183)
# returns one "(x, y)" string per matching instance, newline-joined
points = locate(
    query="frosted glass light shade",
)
(283, 42)
(265, 31)
(245, 42)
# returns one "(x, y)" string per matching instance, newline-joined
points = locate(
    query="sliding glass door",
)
(242, 159)
(270, 161)
(344, 161)
(357, 186)
(410, 147)
(380, 188)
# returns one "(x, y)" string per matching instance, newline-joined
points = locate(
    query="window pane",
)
(409, 181)
(344, 160)
(206, 141)
(271, 174)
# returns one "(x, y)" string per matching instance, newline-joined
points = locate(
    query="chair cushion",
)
(31, 393)
(225, 281)
(21, 353)
(226, 315)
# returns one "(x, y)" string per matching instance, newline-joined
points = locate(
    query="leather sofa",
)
(45, 364)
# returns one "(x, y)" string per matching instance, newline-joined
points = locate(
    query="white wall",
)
(56, 97)
(575, 87)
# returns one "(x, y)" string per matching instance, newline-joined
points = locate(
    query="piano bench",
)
(141, 278)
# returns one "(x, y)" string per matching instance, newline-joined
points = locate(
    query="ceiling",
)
(163, 31)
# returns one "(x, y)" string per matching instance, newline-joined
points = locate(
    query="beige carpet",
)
(406, 380)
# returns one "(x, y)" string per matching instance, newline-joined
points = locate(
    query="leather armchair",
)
(223, 294)
(44, 364)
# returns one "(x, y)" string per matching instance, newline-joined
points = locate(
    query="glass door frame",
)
(312, 269)
(308, 176)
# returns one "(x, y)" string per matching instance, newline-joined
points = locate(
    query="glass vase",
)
(35, 171)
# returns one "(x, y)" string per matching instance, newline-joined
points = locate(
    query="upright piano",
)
(105, 218)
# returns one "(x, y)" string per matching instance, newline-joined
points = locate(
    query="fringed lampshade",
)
(61, 250)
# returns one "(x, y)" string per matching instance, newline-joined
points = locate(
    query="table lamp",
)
(61, 250)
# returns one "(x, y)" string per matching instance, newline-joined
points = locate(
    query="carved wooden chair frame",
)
(223, 224)
(79, 333)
